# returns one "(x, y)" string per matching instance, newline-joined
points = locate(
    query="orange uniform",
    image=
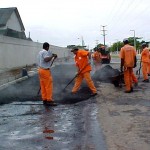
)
(97, 59)
(128, 54)
(46, 83)
(145, 62)
(149, 65)
(134, 78)
(82, 62)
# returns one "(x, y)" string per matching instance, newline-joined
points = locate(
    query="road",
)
(26, 124)
(112, 120)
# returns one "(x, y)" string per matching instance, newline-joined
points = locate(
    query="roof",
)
(13, 33)
(5, 14)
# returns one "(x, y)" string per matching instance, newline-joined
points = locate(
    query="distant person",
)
(96, 56)
(82, 62)
(149, 64)
(128, 62)
(145, 61)
(45, 76)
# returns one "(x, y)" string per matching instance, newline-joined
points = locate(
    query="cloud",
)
(62, 22)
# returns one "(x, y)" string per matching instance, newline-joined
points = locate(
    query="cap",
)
(125, 41)
(74, 49)
(144, 44)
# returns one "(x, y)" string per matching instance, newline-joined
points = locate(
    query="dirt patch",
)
(125, 117)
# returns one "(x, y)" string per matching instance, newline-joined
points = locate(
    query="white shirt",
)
(40, 59)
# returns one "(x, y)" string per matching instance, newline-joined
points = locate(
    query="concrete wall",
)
(15, 53)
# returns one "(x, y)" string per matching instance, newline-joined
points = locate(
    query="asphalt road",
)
(72, 125)
(25, 124)
(30, 125)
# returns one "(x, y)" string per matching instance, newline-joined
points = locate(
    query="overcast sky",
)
(64, 22)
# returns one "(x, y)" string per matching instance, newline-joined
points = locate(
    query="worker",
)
(149, 64)
(96, 56)
(45, 76)
(128, 62)
(83, 66)
(145, 61)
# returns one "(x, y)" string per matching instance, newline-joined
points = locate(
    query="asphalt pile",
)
(105, 74)
(27, 90)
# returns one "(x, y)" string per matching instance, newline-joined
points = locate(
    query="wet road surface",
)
(30, 125)
(73, 125)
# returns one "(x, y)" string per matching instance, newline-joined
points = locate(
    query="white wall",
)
(16, 53)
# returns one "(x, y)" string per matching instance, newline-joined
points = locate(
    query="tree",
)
(116, 46)
(77, 46)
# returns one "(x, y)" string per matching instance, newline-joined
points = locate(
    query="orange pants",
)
(145, 70)
(148, 68)
(46, 83)
(88, 80)
(128, 72)
(134, 78)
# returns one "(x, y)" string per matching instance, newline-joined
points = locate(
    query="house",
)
(11, 24)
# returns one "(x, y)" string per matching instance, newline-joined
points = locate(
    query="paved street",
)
(112, 120)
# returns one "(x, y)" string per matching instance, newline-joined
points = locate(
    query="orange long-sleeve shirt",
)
(82, 60)
(145, 55)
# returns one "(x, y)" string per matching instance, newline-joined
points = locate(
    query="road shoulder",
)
(124, 117)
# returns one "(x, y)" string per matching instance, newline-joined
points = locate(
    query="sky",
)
(67, 22)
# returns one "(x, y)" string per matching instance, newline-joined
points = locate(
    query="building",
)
(11, 24)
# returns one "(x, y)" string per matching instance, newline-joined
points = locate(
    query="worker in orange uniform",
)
(96, 56)
(128, 62)
(149, 64)
(82, 62)
(145, 61)
(46, 82)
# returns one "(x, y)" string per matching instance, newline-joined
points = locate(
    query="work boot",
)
(136, 84)
(93, 94)
(44, 102)
(146, 80)
(51, 103)
(129, 90)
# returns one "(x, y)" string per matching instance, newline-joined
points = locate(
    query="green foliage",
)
(78, 46)
(70, 46)
(117, 46)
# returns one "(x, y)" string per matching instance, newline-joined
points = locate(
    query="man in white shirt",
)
(46, 81)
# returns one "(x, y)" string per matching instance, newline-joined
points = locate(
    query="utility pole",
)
(134, 38)
(82, 41)
(104, 33)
